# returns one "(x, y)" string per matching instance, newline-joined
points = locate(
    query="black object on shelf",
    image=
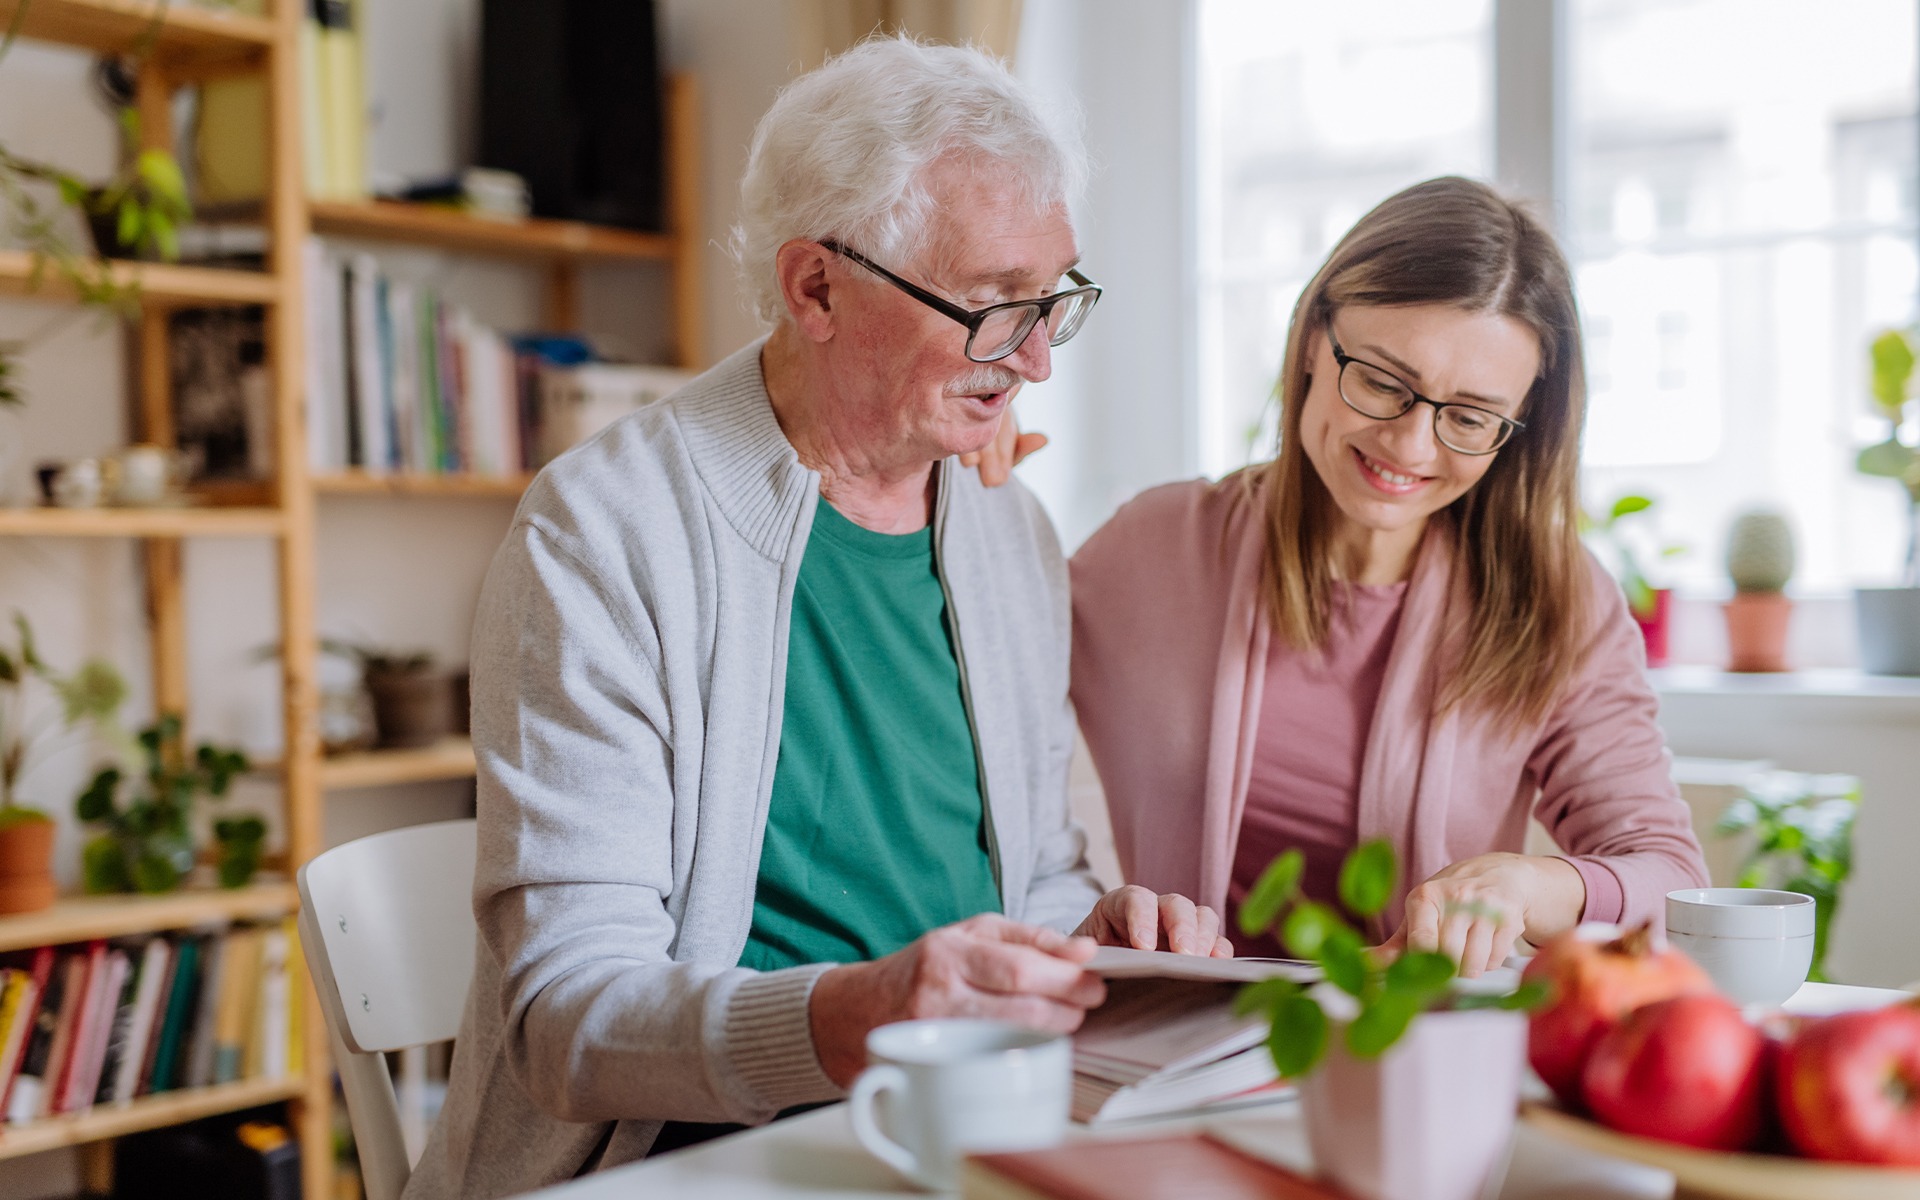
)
(239, 1156)
(571, 100)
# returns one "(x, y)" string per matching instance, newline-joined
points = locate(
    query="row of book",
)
(400, 379)
(104, 1022)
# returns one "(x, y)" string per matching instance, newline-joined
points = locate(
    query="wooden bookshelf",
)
(141, 522)
(189, 40)
(361, 483)
(451, 758)
(451, 229)
(147, 1112)
(161, 284)
(80, 918)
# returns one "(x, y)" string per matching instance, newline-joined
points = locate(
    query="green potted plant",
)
(413, 700)
(1889, 618)
(28, 733)
(1372, 1045)
(1760, 562)
(149, 843)
(1798, 829)
(1619, 535)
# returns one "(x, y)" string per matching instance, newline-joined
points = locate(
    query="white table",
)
(814, 1155)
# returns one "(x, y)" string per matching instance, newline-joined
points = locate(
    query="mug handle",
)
(873, 1081)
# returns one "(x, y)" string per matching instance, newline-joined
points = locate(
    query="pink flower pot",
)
(1428, 1120)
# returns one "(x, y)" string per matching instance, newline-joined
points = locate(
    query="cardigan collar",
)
(743, 457)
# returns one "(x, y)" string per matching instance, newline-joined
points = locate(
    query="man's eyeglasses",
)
(998, 330)
(1378, 393)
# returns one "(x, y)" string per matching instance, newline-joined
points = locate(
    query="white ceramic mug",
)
(149, 474)
(1756, 944)
(955, 1087)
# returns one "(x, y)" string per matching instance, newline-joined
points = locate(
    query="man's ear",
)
(801, 268)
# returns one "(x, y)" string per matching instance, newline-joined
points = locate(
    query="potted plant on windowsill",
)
(1760, 562)
(1889, 618)
(91, 694)
(1375, 1044)
(1623, 554)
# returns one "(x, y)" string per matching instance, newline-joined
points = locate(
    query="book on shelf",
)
(1190, 1164)
(116, 1027)
(87, 1031)
(26, 984)
(30, 1079)
(123, 1085)
(182, 992)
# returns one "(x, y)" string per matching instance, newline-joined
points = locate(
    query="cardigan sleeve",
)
(1606, 783)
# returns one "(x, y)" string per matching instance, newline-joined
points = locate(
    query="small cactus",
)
(1760, 552)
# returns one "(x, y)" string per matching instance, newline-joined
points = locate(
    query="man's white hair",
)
(845, 151)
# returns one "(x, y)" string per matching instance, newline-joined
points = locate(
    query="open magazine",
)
(1167, 1040)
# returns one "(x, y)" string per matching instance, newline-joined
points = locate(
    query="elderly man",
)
(769, 693)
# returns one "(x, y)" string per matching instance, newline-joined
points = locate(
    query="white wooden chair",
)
(387, 926)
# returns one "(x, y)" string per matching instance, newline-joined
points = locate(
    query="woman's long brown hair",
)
(1517, 556)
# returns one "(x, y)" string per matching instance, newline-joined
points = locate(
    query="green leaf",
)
(1275, 889)
(1381, 1023)
(1298, 1038)
(28, 654)
(1344, 958)
(94, 692)
(1892, 357)
(1424, 974)
(155, 873)
(8, 672)
(1264, 996)
(96, 803)
(1307, 927)
(1367, 877)
(103, 869)
(1888, 459)
(1627, 506)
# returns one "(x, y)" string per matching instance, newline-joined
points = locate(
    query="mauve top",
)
(1170, 655)
(1304, 787)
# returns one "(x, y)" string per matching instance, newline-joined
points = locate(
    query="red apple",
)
(1849, 1086)
(1591, 985)
(1688, 1070)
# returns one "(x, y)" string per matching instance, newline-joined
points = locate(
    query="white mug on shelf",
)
(149, 474)
(956, 1087)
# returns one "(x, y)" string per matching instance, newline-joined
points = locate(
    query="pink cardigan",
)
(1170, 648)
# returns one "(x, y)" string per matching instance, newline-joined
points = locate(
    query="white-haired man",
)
(769, 694)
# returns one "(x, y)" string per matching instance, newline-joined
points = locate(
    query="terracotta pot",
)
(1428, 1120)
(1757, 631)
(26, 866)
(1653, 627)
(411, 708)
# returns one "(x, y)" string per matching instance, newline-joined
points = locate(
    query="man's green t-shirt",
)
(876, 831)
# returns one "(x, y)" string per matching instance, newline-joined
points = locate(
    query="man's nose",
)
(1034, 359)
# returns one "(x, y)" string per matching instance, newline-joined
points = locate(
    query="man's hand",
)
(1133, 916)
(984, 966)
(1476, 909)
(1007, 450)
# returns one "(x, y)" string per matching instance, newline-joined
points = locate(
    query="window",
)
(1739, 205)
(1308, 116)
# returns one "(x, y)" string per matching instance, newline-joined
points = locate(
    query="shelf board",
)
(448, 229)
(148, 1112)
(451, 758)
(162, 284)
(141, 522)
(190, 37)
(80, 918)
(360, 483)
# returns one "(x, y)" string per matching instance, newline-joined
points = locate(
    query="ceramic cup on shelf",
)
(149, 475)
(1756, 944)
(78, 482)
(956, 1087)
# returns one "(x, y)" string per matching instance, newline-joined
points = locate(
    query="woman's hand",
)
(1476, 909)
(1133, 916)
(1007, 450)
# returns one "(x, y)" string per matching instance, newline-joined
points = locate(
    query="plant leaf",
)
(1424, 975)
(1307, 927)
(1264, 996)
(1298, 1038)
(1275, 889)
(1366, 878)
(1344, 958)
(1628, 505)
(1381, 1023)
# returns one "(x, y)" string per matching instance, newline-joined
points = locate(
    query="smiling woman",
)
(1391, 630)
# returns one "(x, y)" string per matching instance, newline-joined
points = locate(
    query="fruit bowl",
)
(1716, 1173)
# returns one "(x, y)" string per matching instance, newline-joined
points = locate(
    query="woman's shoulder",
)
(1179, 519)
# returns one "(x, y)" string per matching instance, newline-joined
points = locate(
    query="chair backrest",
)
(386, 923)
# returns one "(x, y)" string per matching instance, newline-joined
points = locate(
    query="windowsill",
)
(1825, 682)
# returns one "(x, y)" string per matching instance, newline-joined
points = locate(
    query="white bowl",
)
(1755, 944)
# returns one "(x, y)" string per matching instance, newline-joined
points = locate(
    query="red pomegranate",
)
(1688, 1070)
(1591, 984)
(1849, 1086)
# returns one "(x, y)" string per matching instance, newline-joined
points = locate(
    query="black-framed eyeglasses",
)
(998, 330)
(1380, 394)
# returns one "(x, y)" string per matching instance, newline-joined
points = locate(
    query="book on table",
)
(1167, 1039)
(1189, 1164)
